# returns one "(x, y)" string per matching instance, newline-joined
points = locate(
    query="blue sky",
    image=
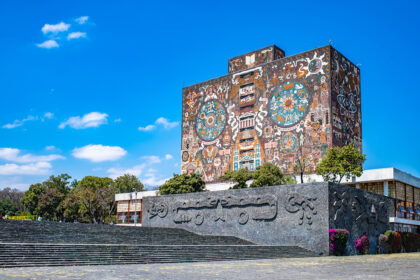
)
(94, 87)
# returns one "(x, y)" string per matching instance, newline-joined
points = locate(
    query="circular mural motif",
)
(288, 143)
(289, 103)
(211, 120)
(315, 65)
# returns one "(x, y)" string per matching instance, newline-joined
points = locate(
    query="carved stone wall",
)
(292, 215)
(282, 215)
(359, 212)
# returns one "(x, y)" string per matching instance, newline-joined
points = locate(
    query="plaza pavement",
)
(395, 266)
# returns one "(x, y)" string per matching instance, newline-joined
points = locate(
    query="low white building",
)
(129, 207)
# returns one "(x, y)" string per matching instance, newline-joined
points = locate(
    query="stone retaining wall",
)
(292, 215)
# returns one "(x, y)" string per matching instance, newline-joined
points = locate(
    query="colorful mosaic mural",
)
(289, 103)
(255, 58)
(211, 120)
(346, 101)
(275, 109)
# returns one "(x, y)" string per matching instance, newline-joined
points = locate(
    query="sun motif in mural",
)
(289, 103)
(288, 143)
(316, 64)
(211, 120)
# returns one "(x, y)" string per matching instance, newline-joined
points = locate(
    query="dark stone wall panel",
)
(292, 215)
(360, 212)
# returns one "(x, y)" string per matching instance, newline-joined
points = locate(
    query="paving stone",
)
(395, 266)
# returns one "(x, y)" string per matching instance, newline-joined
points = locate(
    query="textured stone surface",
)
(292, 215)
(359, 212)
(58, 233)
(20, 255)
(395, 266)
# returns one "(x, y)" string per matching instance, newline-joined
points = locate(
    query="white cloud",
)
(99, 153)
(168, 157)
(14, 182)
(50, 148)
(93, 119)
(48, 115)
(55, 28)
(117, 172)
(151, 159)
(118, 120)
(49, 44)
(166, 123)
(82, 20)
(37, 168)
(160, 121)
(12, 154)
(18, 123)
(150, 179)
(149, 127)
(76, 35)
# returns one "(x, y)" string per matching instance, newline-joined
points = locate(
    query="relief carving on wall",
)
(160, 209)
(258, 208)
(368, 216)
(359, 211)
(303, 205)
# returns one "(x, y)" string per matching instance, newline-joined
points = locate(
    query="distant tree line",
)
(59, 198)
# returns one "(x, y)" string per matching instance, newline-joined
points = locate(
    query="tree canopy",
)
(93, 196)
(183, 183)
(341, 162)
(128, 183)
(240, 177)
(46, 199)
(14, 196)
(265, 175)
(7, 207)
(91, 199)
(270, 175)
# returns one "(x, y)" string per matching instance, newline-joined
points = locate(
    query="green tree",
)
(30, 201)
(73, 210)
(13, 195)
(50, 204)
(96, 197)
(128, 183)
(239, 177)
(270, 175)
(61, 183)
(8, 207)
(46, 198)
(341, 162)
(183, 183)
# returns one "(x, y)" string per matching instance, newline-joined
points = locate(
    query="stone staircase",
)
(52, 232)
(25, 243)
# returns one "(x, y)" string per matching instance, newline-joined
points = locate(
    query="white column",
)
(386, 188)
(357, 186)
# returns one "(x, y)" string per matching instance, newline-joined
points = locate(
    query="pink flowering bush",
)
(362, 245)
(338, 241)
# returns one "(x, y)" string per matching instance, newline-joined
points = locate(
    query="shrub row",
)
(389, 242)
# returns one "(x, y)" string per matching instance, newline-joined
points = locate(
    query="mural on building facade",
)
(346, 101)
(274, 112)
(254, 58)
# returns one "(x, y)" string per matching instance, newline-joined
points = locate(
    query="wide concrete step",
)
(52, 232)
(18, 255)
